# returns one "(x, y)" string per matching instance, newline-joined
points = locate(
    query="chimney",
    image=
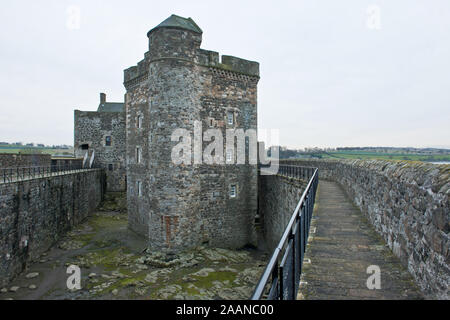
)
(102, 98)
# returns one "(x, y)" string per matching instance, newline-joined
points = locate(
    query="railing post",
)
(280, 281)
(294, 266)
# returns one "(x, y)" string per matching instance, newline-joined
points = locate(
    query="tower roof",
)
(178, 22)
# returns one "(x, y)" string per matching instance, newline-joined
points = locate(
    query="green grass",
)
(29, 150)
(383, 156)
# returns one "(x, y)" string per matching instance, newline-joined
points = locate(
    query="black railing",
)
(281, 277)
(23, 173)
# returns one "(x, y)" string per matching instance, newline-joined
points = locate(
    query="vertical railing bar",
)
(280, 281)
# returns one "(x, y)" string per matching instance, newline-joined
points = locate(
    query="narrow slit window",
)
(139, 188)
(138, 155)
(139, 122)
(230, 117)
(229, 156)
(233, 191)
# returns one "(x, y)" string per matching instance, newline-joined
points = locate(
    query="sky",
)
(333, 73)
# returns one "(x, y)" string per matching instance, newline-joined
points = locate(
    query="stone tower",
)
(180, 86)
(101, 134)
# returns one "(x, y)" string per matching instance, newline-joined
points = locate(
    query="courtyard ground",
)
(115, 264)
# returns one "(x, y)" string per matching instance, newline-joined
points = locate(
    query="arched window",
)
(108, 141)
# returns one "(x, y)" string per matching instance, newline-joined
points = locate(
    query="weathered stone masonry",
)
(35, 213)
(9, 160)
(407, 203)
(176, 85)
(279, 198)
(102, 134)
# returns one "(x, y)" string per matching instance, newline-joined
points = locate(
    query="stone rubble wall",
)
(36, 213)
(407, 203)
(10, 160)
(278, 199)
(91, 127)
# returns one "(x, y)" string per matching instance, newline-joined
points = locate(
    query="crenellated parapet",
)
(229, 66)
(136, 74)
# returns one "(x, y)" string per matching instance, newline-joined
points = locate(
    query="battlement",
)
(137, 73)
(206, 58)
(229, 63)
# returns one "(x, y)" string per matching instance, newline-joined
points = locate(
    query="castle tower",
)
(179, 86)
(100, 136)
(174, 103)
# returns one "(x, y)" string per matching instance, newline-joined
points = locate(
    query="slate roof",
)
(175, 21)
(111, 107)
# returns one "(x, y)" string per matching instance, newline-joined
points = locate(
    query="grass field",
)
(27, 149)
(384, 156)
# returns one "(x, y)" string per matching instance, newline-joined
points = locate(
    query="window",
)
(110, 167)
(138, 155)
(230, 118)
(108, 141)
(139, 188)
(139, 121)
(211, 122)
(84, 146)
(233, 191)
(229, 156)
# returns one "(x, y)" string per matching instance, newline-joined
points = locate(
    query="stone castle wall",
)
(407, 203)
(92, 128)
(67, 162)
(10, 160)
(137, 105)
(280, 196)
(176, 85)
(36, 213)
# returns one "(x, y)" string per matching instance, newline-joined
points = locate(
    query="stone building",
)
(177, 85)
(101, 135)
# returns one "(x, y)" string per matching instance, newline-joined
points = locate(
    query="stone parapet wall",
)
(12, 160)
(36, 213)
(278, 198)
(407, 203)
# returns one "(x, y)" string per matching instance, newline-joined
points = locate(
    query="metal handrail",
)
(13, 174)
(294, 238)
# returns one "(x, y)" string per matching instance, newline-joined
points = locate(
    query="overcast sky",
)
(333, 73)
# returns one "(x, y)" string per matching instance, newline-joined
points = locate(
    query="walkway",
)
(10, 175)
(343, 245)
